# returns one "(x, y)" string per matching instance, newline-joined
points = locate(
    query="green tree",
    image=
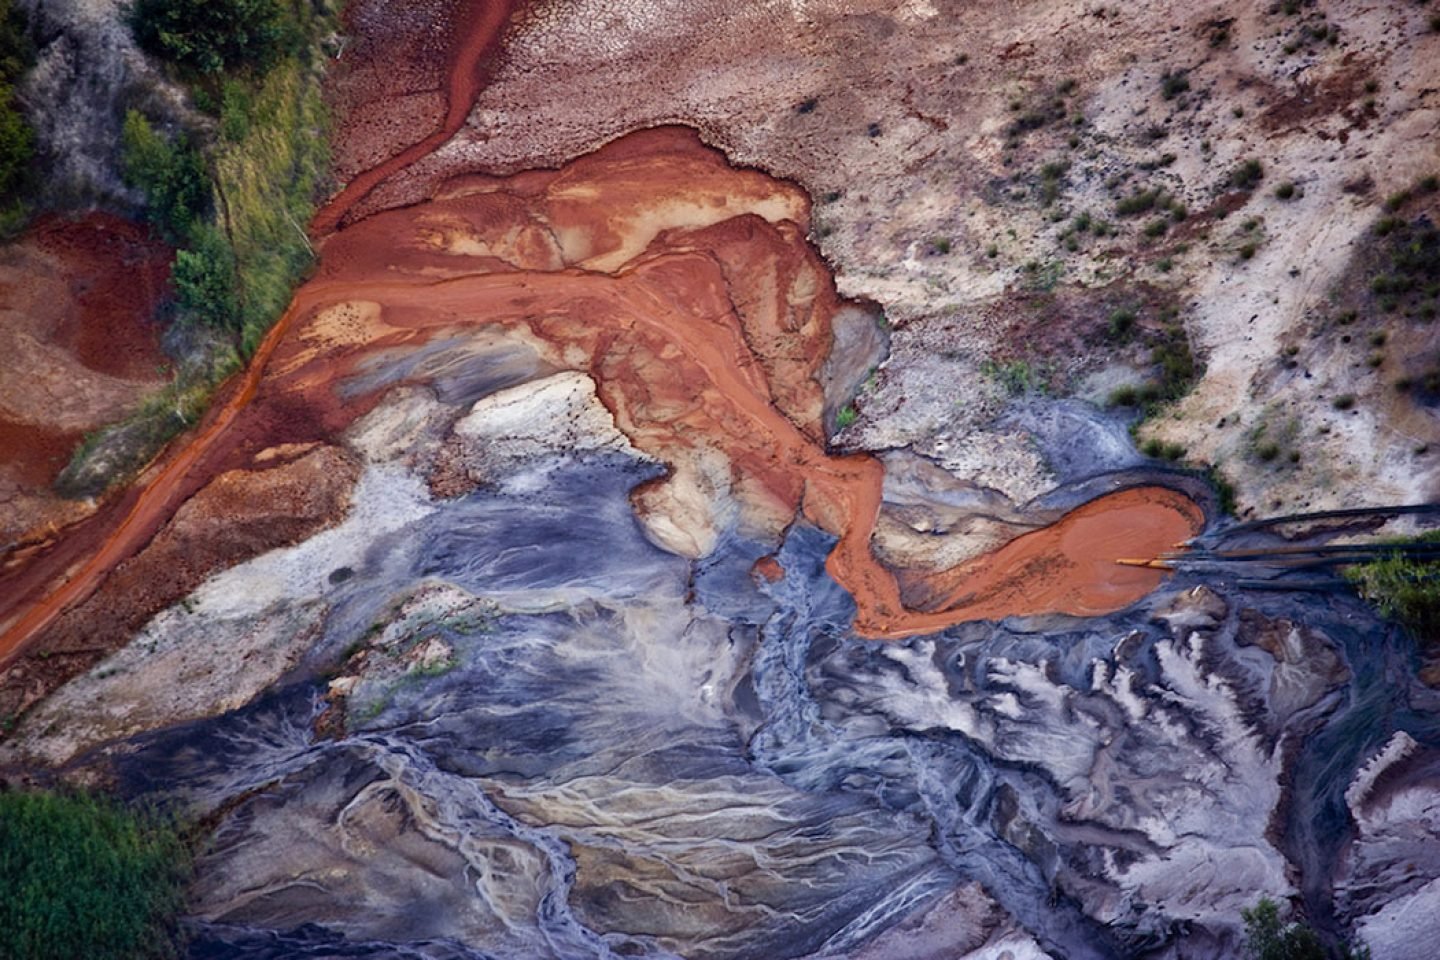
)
(172, 174)
(209, 36)
(17, 142)
(205, 278)
(16, 51)
(1267, 938)
(84, 877)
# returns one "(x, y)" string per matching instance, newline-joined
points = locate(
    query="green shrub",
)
(1285, 191)
(1247, 175)
(205, 278)
(16, 51)
(1142, 201)
(1172, 84)
(1266, 938)
(87, 878)
(17, 142)
(209, 36)
(171, 173)
(1126, 396)
(845, 417)
(1343, 402)
(1122, 323)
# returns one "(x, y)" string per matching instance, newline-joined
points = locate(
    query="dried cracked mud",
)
(520, 599)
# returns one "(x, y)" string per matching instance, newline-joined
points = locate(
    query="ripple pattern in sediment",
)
(561, 741)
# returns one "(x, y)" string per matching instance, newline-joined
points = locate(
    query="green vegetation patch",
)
(1017, 376)
(209, 36)
(171, 173)
(1268, 938)
(235, 206)
(17, 139)
(85, 877)
(1403, 588)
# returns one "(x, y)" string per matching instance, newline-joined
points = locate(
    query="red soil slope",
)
(78, 342)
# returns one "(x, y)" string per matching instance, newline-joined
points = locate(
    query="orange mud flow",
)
(686, 289)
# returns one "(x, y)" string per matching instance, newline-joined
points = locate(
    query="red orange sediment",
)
(78, 342)
(475, 38)
(687, 290)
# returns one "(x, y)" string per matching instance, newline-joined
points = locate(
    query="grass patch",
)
(1274, 442)
(1016, 376)
(268, 181)
(1404, 589)
(85, 877)
(1224, 490)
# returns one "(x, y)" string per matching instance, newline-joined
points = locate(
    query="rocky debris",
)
(1307, 665)
(956, 925)
(182, 666)
(1198, 608)
(932, 520)
(410, 642)
(860, 343)
(694, 505)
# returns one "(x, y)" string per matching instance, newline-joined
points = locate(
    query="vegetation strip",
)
(87, 877)
(234, 196)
